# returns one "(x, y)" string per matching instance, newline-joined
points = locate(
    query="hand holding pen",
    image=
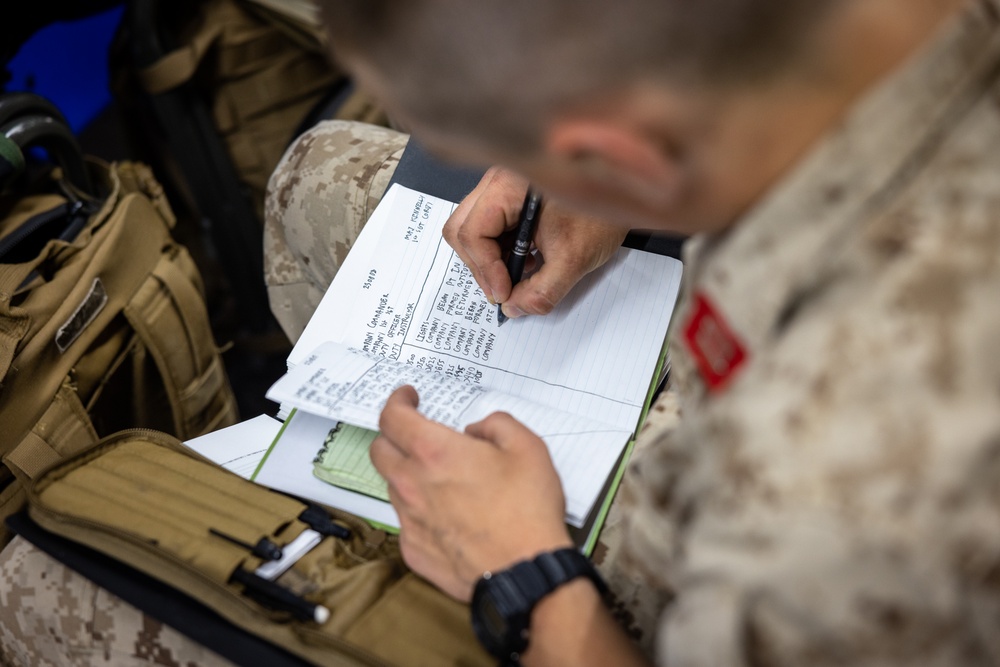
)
(570, 243)
(526, 224)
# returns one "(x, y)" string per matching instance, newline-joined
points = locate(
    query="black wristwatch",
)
(502, 601)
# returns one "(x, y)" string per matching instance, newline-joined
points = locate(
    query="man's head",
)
(663, 113)
(498, 69)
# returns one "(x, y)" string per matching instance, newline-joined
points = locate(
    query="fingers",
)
(412, 434)
(387, 458)
(400, 421)
(442, 484)
(477, 223)
(571, 244)
(457, 221)
(391, 451)
(483, 249)
(571, 247)
(541, 291)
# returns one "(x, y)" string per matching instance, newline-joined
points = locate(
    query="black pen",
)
(522, 244)
(275, 596)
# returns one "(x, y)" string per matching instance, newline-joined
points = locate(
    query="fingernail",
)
(492, 301)
(511, 311)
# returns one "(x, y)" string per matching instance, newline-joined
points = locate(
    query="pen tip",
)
(501, 318)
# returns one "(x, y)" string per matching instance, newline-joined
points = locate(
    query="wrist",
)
(561, 623)
(504, 603)
(573, 626)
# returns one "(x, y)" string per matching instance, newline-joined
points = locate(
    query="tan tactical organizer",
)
(142, 498)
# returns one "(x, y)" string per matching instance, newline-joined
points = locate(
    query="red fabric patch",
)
(715, 349)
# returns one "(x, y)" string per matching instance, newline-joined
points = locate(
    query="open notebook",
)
(404, 309)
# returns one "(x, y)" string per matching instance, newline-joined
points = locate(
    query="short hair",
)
(499, 67)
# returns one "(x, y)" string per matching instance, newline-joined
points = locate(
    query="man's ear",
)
(616, 159)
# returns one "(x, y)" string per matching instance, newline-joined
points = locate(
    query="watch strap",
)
(522, 586)
(540, 576)
(563, 565)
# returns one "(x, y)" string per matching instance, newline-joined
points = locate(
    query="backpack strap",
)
(63, 431)
(169, 316)
(15, 322)
(97, 275)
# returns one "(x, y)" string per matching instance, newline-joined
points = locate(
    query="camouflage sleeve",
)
(318, 199)
(50, 615)
(838, 501)
(841, 505)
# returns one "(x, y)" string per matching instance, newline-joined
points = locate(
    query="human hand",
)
(467, 502)
(571, 245)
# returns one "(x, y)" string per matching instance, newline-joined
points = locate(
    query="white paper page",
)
(404, 294)
(342, 384)
(289, 465)
(240, 447)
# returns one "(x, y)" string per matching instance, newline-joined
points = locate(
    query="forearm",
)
(572, 626)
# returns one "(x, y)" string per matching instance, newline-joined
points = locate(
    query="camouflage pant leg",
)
(50, 615)
(637, 605)
(318, 199)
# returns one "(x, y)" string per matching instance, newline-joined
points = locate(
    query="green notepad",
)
(343, 461)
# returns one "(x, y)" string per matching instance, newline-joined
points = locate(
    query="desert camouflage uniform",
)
(49, 615)
(832, 492)
(834, 498)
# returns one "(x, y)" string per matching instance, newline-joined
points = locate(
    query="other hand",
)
(467, 502)
(571, 245)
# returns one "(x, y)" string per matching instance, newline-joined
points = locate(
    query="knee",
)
(327, 170)
(322, 191)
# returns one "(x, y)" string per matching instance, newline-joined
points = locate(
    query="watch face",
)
(495, 624)
(499, 616)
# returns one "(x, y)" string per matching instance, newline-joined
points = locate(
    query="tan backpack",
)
(212, 92)
(263, 76)
(103, 329)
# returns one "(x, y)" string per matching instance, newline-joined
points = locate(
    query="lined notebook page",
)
(339, 383)
(404, 294)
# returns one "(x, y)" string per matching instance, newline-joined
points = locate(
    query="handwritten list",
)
(404, 294)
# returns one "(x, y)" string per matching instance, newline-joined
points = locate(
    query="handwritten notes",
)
(404, 309)
(345, 384)
(352, 386)
(403, 293)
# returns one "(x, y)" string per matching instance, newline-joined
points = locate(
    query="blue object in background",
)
(67, 63)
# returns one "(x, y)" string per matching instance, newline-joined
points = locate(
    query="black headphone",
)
(28, 120)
